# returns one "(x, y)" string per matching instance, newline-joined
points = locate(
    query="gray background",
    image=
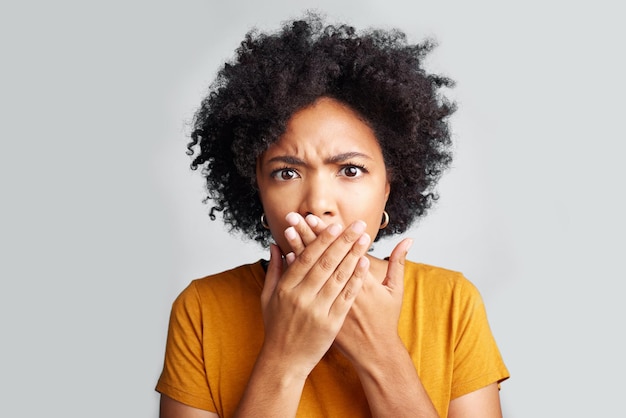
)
(102, 223)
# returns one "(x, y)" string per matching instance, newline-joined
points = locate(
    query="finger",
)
(346, 269)
(274, 271)
(292, 234)
(300, 269)
(394, 280)
(315, 223)
(304, 230)
(294, 240)
(338, 261)
(350, 291)
(305, 235)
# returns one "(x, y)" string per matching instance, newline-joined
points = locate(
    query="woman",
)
(323, 140)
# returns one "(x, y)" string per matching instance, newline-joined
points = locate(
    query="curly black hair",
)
(377, 73)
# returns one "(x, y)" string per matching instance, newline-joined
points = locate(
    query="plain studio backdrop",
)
(102, 223)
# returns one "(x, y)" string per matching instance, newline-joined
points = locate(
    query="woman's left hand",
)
(372, 323)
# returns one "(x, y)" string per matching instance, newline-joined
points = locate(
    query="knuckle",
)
(319, 317)
(356, 251)
(348, 238)
(305, 258)
(348, 292)
(298, 304)
(340, 276)
(290, 299)
(281, 293)
(326, 263)
(326, 239)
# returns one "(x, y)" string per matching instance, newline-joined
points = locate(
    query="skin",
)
(484, 402)
(334, 170)
(324, 186)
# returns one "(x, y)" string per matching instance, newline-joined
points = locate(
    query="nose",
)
(318, 198)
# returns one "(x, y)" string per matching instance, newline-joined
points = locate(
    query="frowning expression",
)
(328, 163)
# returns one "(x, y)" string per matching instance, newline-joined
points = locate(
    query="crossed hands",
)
(326, 291)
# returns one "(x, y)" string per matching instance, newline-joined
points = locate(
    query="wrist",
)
(273, 388)
(379, 360)
(285, 373)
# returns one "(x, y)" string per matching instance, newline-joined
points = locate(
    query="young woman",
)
(317, 141)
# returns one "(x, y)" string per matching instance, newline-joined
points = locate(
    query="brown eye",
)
(285, 174)
(352, 171)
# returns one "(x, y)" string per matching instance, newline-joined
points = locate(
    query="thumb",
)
(274, 271)
(395, 270)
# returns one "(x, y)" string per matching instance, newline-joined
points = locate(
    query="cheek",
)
(275, 210)
(277, 205)
(374, 223)
(379, 201)
(277, 229)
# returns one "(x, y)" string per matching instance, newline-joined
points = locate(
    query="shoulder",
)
(425, 274)
(252, 274)
(241, 280)
(439, 285)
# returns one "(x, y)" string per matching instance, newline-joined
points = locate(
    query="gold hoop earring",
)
(264, 222)
(385, 220)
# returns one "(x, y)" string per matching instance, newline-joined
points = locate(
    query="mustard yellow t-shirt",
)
(216, 332)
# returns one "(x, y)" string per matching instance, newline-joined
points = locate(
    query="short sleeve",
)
(184, 376)
(477, 360)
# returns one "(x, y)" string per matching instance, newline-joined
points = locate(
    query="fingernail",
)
(363, 262)
(292, 218)
(364, 239)
(312, 220)
(409, 244)
(358, 227)
(291, 233)
(334, 229)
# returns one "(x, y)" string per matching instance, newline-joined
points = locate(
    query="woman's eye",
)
(285, 174)
(352, 171)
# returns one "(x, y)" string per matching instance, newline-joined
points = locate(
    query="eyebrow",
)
(287, 159)
(335, 159)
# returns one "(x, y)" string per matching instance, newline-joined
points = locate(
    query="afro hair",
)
(377, 73)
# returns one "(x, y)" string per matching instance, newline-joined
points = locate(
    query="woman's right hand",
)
(306, 302)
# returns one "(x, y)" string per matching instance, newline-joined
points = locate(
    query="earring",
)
(264, 222)
(385, 220)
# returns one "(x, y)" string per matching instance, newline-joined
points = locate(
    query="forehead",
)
(326, 127)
